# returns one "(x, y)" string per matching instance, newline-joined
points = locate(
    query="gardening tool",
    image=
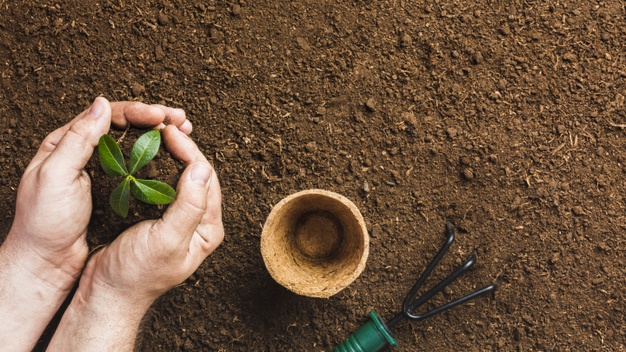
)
(376, 335)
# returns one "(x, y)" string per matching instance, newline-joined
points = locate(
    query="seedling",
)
(112, 162)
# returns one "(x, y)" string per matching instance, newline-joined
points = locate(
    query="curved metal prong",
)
(430, 267)
(440, 286)
(456, 302)
(409, 304)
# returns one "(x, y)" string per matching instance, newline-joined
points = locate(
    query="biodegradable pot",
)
(315, 243)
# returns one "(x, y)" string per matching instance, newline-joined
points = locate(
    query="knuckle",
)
(79, 134)
(190, 204)
(46, 171)
(218, 236)
(212, 238)
(170, 241)
(48, 144)
(193, 208)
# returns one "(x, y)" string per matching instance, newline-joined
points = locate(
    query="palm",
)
(54, 198)
(155, 255)
(54, 214)
(133, 259)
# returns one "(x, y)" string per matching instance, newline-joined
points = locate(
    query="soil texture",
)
(506, 118)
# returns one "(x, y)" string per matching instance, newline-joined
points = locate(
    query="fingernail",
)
(97, 108)
(200, 174)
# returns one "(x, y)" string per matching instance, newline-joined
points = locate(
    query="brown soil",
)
(506, 118)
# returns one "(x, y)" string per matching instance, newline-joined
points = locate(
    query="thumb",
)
(76, 147)
(182, 218)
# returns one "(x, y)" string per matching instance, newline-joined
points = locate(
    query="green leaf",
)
(111, 158)
(120, 198)
(145, 148)
(153, 192)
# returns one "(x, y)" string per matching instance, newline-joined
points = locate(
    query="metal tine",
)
(409, 305)
(430, 267)
(440, 286)
(454, 303)
(464, 268)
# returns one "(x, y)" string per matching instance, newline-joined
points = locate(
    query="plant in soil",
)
(113, 164)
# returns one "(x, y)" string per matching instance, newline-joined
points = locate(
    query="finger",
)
(50, 142)
(142, 115)
(122, 114)
(186, 127)
(210, 231)
(181, 146)
(176, 117)
(181, 219)
(74, 149)
(136, 114)
(173, 116)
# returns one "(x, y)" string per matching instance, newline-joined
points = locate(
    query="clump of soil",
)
(506, 119)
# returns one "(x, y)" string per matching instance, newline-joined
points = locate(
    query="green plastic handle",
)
(371, 337)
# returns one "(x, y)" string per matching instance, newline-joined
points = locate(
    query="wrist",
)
(99, 318)
(31, 292)
(110, 303)
(56, 271)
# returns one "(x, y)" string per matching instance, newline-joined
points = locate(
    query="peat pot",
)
(315, 243)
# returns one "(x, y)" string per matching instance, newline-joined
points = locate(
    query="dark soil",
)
(506, 118)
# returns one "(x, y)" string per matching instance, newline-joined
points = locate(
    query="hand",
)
(54, 199)
(121, 281)
(45, 249)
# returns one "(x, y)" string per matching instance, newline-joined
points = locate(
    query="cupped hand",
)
(45, 250)
(122, 280)
(54, 197)
(155, 255)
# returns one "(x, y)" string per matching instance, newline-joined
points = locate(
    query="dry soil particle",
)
(504, 118)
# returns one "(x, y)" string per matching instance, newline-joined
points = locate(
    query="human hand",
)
(54, 199)
(121, 281)
(45, 249)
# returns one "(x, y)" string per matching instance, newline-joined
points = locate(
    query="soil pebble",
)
(409, 117)
(569, 57)
(163, 19)
(149, 171)
(216, 35)
(505, 30)
(477, 58)
(138, 89)
(370, 104)
(468, 174)
(366, 187)
(311, 147)
(406, 40)
(578, 210)
(236, 10)
(159, 54)
(230, 153)
(452, 132)
(377, 230)
(303, 43)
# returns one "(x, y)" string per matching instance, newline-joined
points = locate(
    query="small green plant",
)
(112, 162)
